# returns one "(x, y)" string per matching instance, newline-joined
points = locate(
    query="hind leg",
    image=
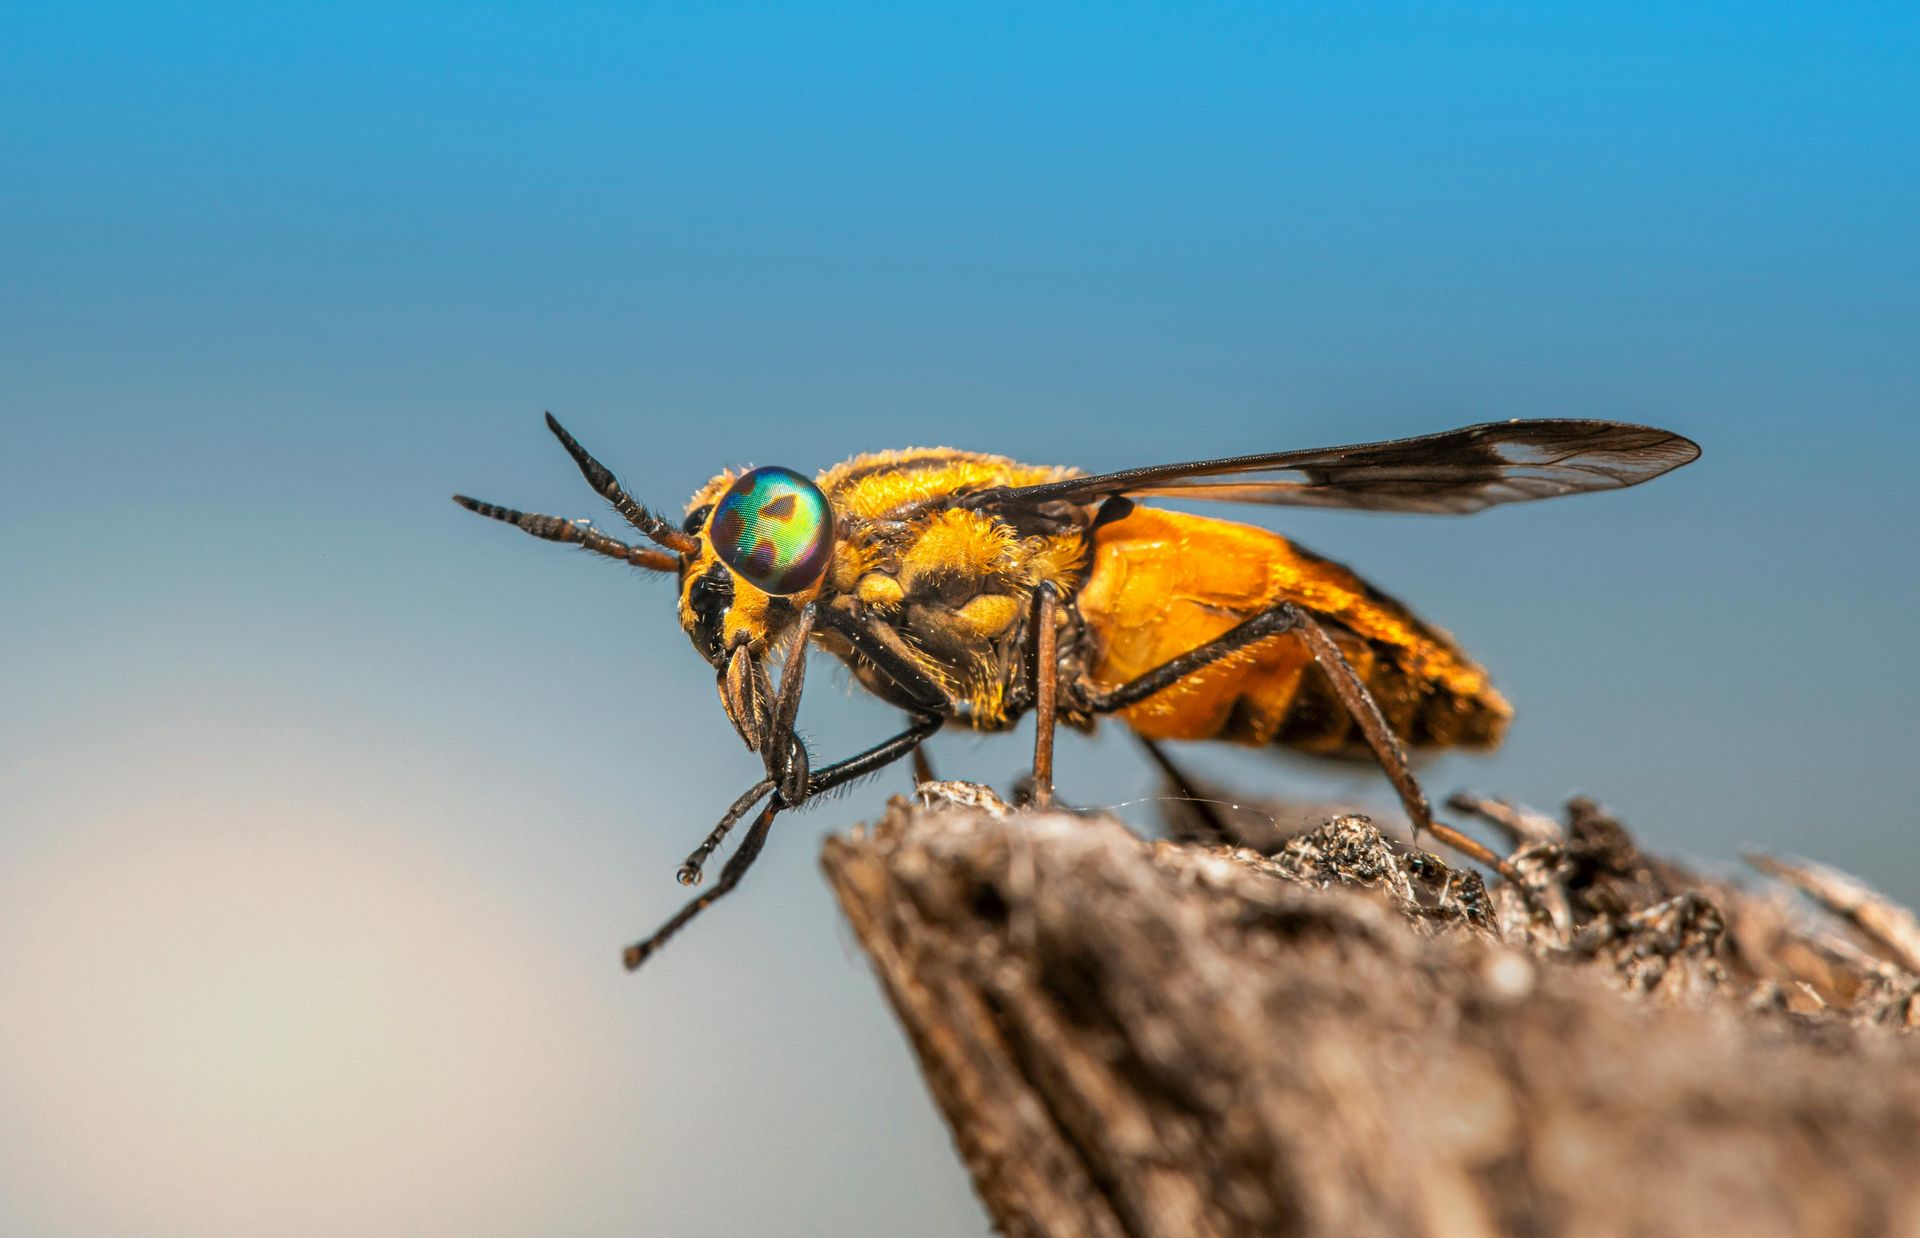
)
(1287, 617)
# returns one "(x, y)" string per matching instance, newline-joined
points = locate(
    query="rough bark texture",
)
(1334, 1035)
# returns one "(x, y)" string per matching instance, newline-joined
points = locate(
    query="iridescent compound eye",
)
(775, 529)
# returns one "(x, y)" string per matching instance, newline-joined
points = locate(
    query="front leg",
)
(765, 719)
(768, 729)
(837, 774)
(786, 757)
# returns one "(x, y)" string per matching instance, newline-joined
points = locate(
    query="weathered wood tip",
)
(1342, 1036)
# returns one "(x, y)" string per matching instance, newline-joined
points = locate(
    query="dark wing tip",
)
(1624, 451)
(1687, 450)
(1661, 450)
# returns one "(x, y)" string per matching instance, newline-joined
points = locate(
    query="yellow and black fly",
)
(968, 589)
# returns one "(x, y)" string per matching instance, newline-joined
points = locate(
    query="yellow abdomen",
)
(1162, 583)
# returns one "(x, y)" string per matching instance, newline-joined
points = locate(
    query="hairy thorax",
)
(955, 585)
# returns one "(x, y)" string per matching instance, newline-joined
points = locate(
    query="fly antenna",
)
(573, 533)
(608, 487)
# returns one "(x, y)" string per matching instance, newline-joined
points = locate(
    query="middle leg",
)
(1046, 689)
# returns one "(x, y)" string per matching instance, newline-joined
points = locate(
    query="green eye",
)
(775, 529)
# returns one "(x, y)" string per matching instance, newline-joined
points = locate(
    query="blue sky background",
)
(325, 807)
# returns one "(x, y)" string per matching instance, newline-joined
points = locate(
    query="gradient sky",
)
(325, 807)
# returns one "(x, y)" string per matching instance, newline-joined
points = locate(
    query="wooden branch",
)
(1346, 1038)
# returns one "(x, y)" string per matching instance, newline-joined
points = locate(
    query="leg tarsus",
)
(736, 868)
(690, 872)
(1473, 849)
(840, 772)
